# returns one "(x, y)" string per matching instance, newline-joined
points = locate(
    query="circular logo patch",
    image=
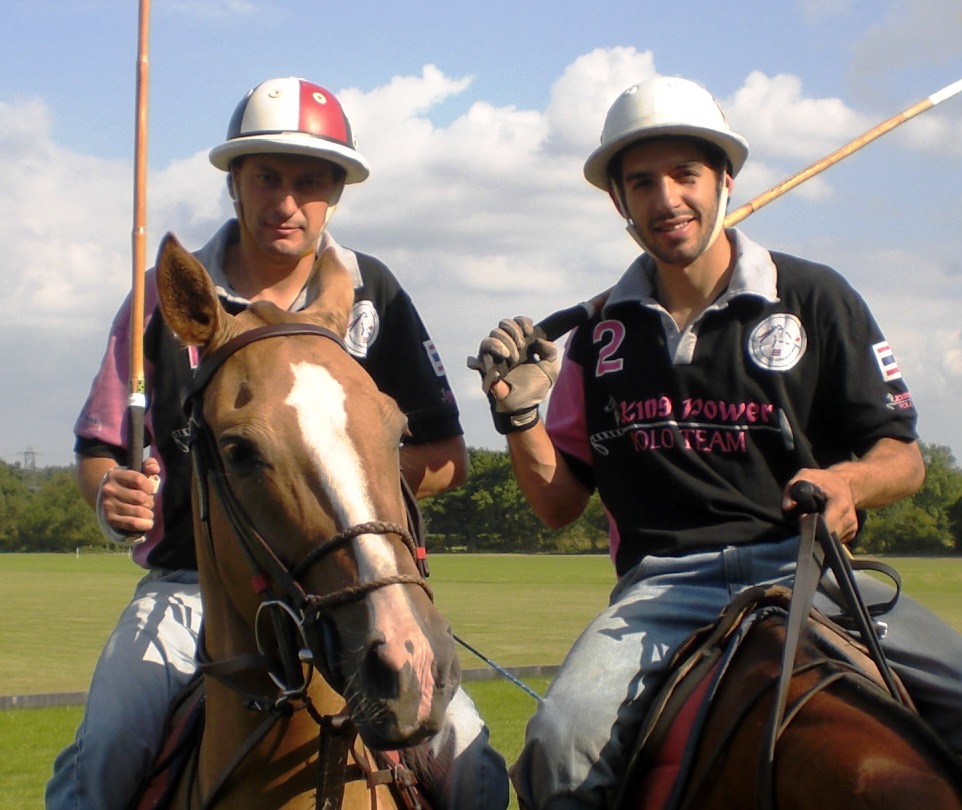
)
(778, 342)
(362, 328)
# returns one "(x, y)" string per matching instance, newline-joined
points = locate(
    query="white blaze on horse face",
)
(320, 403)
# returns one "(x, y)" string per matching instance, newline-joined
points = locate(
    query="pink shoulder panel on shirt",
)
(565, 419)
(103, 415)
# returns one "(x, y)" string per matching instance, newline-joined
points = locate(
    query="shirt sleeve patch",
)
(434, 356)
(885, 358)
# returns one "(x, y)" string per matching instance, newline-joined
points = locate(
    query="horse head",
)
(301, 524)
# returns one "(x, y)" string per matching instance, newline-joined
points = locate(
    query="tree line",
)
(41, 510)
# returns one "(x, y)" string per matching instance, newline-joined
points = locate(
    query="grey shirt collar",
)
(754, 273)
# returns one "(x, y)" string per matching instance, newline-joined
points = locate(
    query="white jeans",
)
(147, 660)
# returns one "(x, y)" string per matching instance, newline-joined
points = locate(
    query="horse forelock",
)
(266, 313)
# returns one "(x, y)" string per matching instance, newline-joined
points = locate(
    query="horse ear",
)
(336, 292)
(188, 299)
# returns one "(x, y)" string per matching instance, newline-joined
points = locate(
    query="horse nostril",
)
(380, 675)
(450, 673)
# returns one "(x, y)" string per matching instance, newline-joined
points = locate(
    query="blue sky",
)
(476, 118)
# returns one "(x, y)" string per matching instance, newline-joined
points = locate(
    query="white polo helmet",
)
(292, 117)
(663, 107)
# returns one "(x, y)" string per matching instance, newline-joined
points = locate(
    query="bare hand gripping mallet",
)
(558, 323)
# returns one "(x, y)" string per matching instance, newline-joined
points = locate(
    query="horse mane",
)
(271, 314)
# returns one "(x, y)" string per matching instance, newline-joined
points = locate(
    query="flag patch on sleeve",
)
(885, 358)
(434, 356)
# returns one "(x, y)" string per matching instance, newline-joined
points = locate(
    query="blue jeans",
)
(577, 743)
(150, 657)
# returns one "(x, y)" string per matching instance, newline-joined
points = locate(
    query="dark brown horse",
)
(845, 743)
(832, 730)
(317, 620)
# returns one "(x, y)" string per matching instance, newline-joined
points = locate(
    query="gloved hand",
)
(520, 354)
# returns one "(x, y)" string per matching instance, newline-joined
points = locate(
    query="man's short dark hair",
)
(340, 173)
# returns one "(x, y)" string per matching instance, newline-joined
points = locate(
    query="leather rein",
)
(820, 550)
(295, 615)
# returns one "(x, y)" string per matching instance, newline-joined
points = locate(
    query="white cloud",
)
(911, 33)
(482, 217)
(189, 197)
(581, 97)
(402, 97)
(937, 133)
(61, 222)
(777, 119)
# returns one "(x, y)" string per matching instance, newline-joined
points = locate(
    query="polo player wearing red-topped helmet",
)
(288, 154)
(716, 374)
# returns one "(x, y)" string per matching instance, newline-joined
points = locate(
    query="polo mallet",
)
(558, 323)
(136, 398)
(498, 668)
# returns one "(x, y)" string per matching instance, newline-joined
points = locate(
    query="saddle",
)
(661, 772)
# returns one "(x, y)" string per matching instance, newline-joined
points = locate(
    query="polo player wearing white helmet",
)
(715, 375)
(666, 108)
(289, 152)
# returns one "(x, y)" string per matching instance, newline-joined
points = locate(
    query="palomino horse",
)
(307, 566)
(800, 716)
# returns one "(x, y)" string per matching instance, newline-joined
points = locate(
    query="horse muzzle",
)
(399, 679)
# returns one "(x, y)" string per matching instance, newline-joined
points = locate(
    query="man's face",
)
(284, 200)
(671, 193)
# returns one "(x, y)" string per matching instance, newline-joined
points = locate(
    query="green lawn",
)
(31, 738)
(57, 611)
(517, 609)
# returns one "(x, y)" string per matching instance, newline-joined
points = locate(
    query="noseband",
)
(277, 586)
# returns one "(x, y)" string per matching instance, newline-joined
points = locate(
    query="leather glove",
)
(519, 353)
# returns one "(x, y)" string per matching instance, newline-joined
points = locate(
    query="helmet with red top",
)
(292, 116)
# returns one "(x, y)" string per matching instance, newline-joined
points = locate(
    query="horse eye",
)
(240, 454)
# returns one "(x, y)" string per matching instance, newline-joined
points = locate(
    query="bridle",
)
(295, 615)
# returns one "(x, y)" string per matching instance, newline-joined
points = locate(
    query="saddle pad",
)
(658, 785)
(185, 725)
(657, 769)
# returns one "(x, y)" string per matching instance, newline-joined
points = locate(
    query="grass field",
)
(57, 611)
